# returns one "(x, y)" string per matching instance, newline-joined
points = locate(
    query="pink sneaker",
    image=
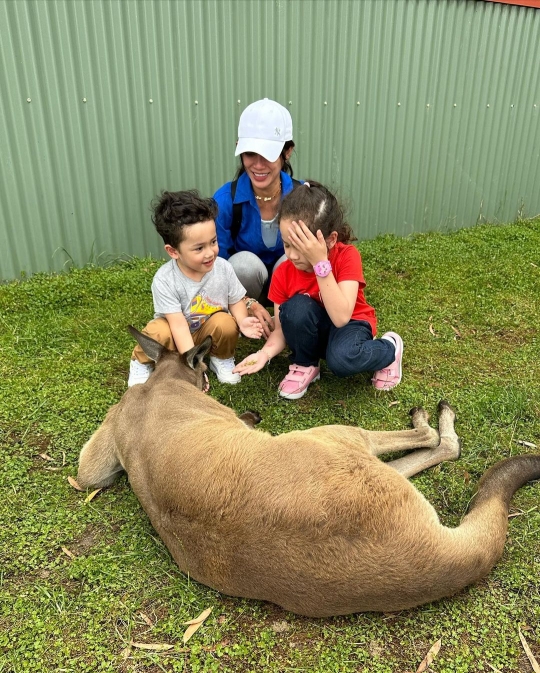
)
(389, 377)
(295, 384)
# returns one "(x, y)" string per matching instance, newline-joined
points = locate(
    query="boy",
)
(196, 293)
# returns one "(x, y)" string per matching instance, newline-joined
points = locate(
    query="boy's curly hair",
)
(172, 211)
(318, 208)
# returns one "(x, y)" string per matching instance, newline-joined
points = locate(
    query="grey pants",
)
(251, 272)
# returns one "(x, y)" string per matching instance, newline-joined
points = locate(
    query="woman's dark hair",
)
(172, 211)
(286, 166)
(318, 208)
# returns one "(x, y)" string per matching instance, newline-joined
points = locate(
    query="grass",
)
(80, 580)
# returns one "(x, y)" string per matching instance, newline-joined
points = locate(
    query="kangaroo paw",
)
(250, 418)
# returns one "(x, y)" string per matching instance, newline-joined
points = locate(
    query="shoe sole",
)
(297, 396)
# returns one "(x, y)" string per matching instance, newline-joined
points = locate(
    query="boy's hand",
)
(312, 247)
(251, 364)
(251, 328)
(262, 315)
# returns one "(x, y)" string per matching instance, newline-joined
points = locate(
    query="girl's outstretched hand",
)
(251, 328)
(312, 247)
(253, 363)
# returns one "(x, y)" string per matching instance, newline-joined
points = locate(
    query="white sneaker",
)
(139, 373)
(223, 369)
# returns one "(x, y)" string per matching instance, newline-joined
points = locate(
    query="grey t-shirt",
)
(174, 292)
(269, 231)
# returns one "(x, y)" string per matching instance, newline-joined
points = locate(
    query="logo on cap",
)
(277, 132)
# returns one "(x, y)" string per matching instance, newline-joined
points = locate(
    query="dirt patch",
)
(85, 542)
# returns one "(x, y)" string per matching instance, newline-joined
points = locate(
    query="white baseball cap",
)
(264, 128)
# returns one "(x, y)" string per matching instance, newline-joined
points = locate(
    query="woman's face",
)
(262, 173)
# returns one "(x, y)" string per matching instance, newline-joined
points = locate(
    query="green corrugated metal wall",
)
(425, 114)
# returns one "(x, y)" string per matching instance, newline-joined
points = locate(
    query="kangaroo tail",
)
(503, 479)
(487, 519)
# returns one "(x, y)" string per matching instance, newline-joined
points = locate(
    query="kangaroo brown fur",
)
(311, 520)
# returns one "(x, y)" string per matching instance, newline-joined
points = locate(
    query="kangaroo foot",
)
(450, 446)
(250, 418)
(419, 417)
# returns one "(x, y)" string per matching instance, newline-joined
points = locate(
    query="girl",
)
(319, 305)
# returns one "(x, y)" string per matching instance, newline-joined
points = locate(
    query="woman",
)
(247, 226)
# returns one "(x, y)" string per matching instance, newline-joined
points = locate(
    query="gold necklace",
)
(268, 198)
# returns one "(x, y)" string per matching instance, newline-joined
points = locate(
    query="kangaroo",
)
(310, 520)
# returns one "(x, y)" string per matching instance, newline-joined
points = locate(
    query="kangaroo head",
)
(188, 366)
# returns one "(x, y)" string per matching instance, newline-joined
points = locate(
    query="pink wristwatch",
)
(322, 269)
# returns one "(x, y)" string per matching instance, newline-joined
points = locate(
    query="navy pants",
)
(348, 350)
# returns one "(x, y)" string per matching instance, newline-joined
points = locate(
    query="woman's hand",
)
(312, 247)
(262, 315)
(253, 363)
(251, 328)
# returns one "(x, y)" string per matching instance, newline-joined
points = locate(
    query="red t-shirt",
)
(346, 262)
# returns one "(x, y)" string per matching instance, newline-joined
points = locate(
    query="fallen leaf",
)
(393, 404)
(155, 647)
(530, 445)
(52, 469)
(456, 331)
(433, 652)
(200, 619)
(514, 514)
(493, 668)
(375, 649)
(75, 485)
(45, 456)
(92, 495)
(280, 627)
(431, 326)
(530, 655)
(466, 477)
(195, 624)
(67, 552)
(146, 619)
(126, 652)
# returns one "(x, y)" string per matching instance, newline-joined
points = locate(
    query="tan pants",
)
(220, 326)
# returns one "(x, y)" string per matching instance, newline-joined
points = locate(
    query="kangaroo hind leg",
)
(421, 435)
(98, 461)
(448, 448)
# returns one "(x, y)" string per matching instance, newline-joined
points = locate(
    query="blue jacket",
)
(249, 237)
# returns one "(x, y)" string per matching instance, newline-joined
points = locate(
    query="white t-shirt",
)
(174, 292)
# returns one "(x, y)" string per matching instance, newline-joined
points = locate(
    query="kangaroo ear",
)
(195, 355)
(152, 348)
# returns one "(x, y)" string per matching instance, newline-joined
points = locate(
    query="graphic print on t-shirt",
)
(200, 309)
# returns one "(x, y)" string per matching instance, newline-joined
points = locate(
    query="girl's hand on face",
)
(251, 328)
(253, 363)
(312, 247)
